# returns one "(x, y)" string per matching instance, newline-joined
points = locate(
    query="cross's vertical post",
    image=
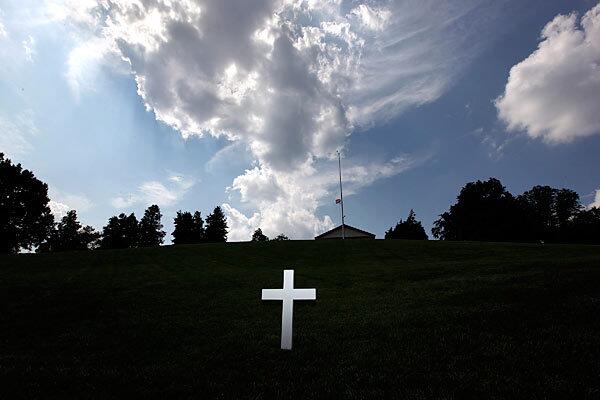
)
(287, 310)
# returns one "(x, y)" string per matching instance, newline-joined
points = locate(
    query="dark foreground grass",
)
(401, 319)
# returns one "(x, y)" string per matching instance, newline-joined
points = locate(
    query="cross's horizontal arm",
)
(305, 294)
(272, 294)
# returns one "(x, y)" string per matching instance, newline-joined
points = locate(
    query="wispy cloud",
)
(155, 192)
(29, 48)
(3, 32)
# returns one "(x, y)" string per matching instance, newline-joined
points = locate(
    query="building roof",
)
(348, 227)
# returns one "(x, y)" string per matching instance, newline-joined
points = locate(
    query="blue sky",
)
(243, 104)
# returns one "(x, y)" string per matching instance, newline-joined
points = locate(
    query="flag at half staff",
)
(338, 201)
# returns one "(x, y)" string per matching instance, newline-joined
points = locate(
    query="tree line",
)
(484, 211)
(26, 221)
(125, 231)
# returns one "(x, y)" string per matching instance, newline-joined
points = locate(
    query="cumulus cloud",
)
(289, 79)
(155, 192)
(287, 203)
(554, 93)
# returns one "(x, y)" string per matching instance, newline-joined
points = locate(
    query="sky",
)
(191, 104)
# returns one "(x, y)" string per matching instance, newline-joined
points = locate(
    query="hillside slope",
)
(410, 319)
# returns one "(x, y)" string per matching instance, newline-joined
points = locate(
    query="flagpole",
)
(341, 195)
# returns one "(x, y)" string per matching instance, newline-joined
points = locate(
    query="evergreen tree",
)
(25, 217)
(120, 233)
(184, 228)
(150, 229)
(189, 229)
(70, 235)
(199, 235)
(410, 229)
(259, 236)
(216, 226)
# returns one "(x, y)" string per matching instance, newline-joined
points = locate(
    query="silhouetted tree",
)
(259, 236)
(216, 226)
(566, 206)
(89, 237)
(70, 235)
(199, 232)
(585, 227)
(184, 228)
(189, 229)
(409, 229)
(280, 237)
(150, 229)
(484, 210)
(120, 233)
(546, 213)
(25, 217)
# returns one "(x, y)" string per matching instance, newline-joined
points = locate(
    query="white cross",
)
(288, 294)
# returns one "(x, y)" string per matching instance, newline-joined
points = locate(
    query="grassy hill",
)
(408, 319)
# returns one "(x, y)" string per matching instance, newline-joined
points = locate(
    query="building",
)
(350, 232)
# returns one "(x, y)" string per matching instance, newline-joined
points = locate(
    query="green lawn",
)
(392, 318)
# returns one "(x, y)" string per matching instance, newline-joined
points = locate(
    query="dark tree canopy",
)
(150, 229)
(189, 229)
(25, 217)
(280, 237)
(120, 233)
(410, 229)
(484, 210)
(259, 236)
(585, 227)
(548, 212)
(216, 226)
(70, 235)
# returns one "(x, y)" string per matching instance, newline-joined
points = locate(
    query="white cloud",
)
(29, 48)
(555, 92)
(596, 202)
(84, 63)
(3, 32)
(59, 209)
(154, 192)
(374, 19)
(288, 79)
